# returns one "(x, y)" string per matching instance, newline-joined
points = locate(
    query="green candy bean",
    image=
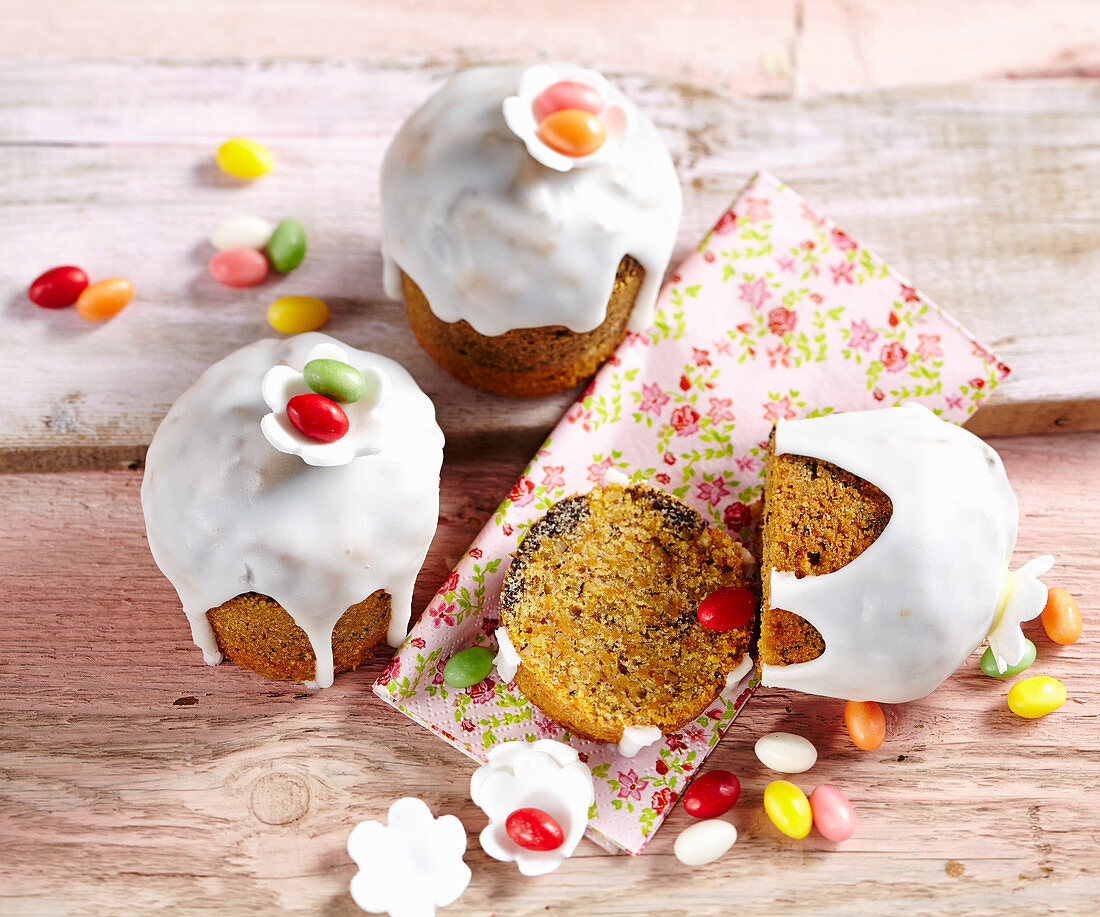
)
(287, 246)
(468, 667)
(989, 664)
(336, 380)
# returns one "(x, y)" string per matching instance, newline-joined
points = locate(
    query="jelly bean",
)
(1062, 617)
(788, 808)
(833, 814)
(241, 232)
(712, 794)
(336, 380)
(1036, 696)
(243, 158)
(238, 267)
(295, 314)
(566, 94)
(572, 132)
(727, 609)
(988, 664)
(468, 667)
(287, 246)
(58, 287)
(533, 829)
(785, 752)
(704, 842)
(866, 724)
(104, 298)
(317, 417)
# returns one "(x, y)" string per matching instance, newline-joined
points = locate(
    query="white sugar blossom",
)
(1022, 598)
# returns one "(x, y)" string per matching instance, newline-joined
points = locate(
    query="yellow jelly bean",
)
(572, 132)
(1062, 617)
(244, 158)
(295, 314)
(788, 808)
(1036, 696)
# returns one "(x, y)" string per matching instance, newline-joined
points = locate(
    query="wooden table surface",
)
(136, 778)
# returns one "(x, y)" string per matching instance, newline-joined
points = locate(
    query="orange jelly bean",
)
(1061, 617)
(105, 298)
(866, 724)
(572, 132)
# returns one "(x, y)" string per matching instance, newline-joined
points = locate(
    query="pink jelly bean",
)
(566, 94)
(833, 814)
(238, 267)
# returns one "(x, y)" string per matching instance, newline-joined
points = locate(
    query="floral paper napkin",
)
(778, 313)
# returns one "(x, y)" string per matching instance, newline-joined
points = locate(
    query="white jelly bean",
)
(241, 232)
(704, 842)
(785, 752)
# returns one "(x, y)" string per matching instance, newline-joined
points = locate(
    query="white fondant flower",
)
(364, 436)
(1022, 598)
(411, 865)
(544, 775)
(618, 115)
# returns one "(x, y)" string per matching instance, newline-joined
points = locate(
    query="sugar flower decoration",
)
(544, 775)
(410, 866)
(365, 434)
(568, 116)
(1022, 598)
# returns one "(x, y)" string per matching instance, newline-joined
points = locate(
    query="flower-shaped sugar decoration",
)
(365, 435)
(411, 865)
(544, 775)
(568, 116)
(1022, 598)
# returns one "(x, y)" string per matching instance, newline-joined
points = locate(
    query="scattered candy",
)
(238, 267)
(58, 287)
(566, 94)
(833, 814)
(572, 132)
(295, 314)
(243, 158)
(1062, 617)
(337, 380)
(317, 417)
(287, 246)
(866, 724)
(1036, 696)
(241, 232)
(468, 667)
(105, 298)
(988, 664)
(533, 829)
(704, 842)
(788, 808)
(712, 794)
(727, 609)
(785, 752)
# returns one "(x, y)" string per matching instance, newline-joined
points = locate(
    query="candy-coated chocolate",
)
(704, 842)
(1036, 696)
(785, 752)
(238, 267)
(241, 232)
(572, 132)
(287, 246)
(58, 287)
(866, 724)
(104, 298)
(833, 814)
(534, 829)
(788, 808)
(296, 314)
(1061, 617)
(334, 379)
(244, 158)
(566, 94)
(712, 794)
(317, 417)
(468, 667)
(727, 609)
(988, 663)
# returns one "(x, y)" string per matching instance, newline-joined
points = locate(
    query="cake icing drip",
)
(492, 236)
(901, 617)
(228, 514)
(635, 738)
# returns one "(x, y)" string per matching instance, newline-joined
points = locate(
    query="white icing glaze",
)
(635, 738)
(615, 476)
(546, 775)
(507, 660)
(740, 671)
(228, 514)
(492, 236)
(901, 617)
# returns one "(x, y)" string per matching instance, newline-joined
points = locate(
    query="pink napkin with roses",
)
(778, 313)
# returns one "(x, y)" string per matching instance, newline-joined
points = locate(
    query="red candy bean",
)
(566, 94)
(712, 794)
(833, 814)
(317, 417)
(238, 267)
(58, 288)
(727, 609)
(533, 829)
